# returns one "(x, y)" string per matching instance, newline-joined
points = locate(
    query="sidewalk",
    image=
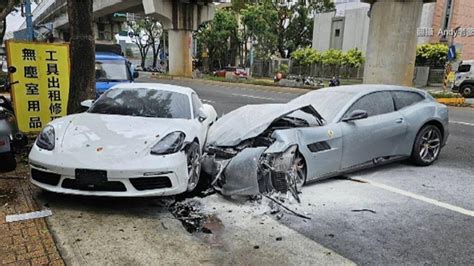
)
(25, 242)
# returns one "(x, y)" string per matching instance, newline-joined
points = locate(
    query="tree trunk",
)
(82, 53)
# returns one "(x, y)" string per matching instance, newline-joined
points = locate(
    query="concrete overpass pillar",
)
(391, 49)
(180, 18)
(180, 53)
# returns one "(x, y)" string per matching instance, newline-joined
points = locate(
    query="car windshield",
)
(327, 103)
(111, 70)
(143, 102)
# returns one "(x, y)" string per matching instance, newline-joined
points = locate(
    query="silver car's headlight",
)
(171, 143)
(45, 139)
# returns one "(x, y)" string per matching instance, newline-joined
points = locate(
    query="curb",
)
(451, 101)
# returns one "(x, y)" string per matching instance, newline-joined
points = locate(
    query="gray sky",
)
(14, 20)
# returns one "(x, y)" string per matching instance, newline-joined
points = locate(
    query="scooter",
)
(11, 138)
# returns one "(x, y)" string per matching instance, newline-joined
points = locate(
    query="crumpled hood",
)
(111, 137)
(247, 122)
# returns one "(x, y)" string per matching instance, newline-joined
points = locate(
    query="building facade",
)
(348, 26)
(453, 22)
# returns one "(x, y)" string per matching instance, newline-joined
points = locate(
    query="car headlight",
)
(45, 139)
(171, 143)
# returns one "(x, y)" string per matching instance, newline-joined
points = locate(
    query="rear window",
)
(406, 98)
(464, 68)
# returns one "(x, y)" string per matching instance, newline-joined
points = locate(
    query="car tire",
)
(193, 155)
(427, 146)
(467, 91)
(8, 162)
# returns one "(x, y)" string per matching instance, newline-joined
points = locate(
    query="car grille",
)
(146, 183)
(45, 177)
(112, 186)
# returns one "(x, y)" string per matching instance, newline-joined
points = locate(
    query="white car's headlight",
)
(171, 143)
(45, 139)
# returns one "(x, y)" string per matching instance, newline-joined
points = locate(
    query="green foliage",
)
(306, 56)
(447, 94)
(215, 36)
(332, 57)
(353, 58)
(283, 68)
(261, 27)
(434, 55)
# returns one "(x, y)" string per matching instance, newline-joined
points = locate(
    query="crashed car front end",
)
(263, 160)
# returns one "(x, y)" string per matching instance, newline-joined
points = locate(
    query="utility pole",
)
(30, 35)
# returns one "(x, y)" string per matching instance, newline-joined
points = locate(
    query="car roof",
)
(156, 86)
(368, 88)
(108, 56)
(467, 62)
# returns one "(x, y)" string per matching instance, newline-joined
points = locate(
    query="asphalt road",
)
(402, 214)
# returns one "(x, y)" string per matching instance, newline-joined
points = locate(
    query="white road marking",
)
(252, 96)
(461, 123)
(418, 197)
(207, 101)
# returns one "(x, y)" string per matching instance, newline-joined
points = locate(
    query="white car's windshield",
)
(111, 70)
(143, 102)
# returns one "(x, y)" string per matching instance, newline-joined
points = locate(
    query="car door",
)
(376, 136)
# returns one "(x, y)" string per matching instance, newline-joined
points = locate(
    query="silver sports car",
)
(321, 134)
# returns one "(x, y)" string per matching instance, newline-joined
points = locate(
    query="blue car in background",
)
(112, 69)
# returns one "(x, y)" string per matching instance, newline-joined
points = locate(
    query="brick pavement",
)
(24, 242)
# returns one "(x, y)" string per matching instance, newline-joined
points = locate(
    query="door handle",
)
(399, 120)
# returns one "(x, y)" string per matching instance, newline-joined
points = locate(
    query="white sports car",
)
(135, 140)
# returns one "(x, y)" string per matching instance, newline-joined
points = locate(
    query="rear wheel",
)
(8, 162)
(427, 146)
(467, 90)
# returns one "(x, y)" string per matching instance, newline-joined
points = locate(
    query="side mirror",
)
(355, 115)
(135, 74)
(87, 103)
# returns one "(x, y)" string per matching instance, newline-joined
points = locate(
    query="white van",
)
(464, 82)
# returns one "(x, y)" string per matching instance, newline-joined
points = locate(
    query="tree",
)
(306, 56)
(153, 30)
(261, 28)
(9, 7)
(353, 58)
(220, 38)
(140, 38)
(82, 45)
(333, 59)
(283, 26)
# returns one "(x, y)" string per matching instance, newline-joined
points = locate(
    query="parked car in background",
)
(141, 139)
(239, 73)
(464, 81)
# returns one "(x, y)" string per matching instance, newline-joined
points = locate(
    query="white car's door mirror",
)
(87, 103)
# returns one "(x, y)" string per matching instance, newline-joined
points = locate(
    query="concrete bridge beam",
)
(391, 49)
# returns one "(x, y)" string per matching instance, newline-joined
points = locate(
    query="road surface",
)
(396, 214)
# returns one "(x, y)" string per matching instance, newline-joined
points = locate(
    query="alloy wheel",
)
(194, 168)
(430, 145)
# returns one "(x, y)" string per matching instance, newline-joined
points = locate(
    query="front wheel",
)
(467, 91)
(8, 162)
(194, 166)
(427, 146)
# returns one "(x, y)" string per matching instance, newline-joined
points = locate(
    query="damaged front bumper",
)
(252, 171)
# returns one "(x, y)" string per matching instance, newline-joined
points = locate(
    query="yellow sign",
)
(42, 73)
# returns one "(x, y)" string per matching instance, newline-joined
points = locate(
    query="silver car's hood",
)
(247, 122)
